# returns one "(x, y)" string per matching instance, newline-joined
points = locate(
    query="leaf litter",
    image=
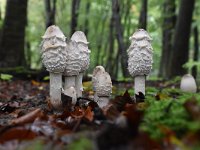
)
(27, 119)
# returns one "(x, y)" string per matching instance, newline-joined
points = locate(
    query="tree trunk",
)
(111, 47)
(87, 18)
(143, 15)
(169, 22)
(13, 34)
(196, 50)
(119, 36)
(179, 55)
(50, 8)
(74, 15)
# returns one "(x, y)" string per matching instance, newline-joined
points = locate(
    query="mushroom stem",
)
(95, 96)
(79, 85)
(139, 84)
(55, 90)
(69, 82)
(103, 101)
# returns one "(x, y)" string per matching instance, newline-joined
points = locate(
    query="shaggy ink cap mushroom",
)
(140, 58)
(54, 59)
(188, 84)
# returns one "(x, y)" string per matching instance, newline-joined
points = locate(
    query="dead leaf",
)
(89, 114)
(28, 118)
(193, 108)
(19, 133)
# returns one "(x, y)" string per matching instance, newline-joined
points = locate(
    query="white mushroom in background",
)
(188, 84)
(73, 66)
(82, 44)
(54, 59)
(103, 89)
(96, 73)
(140, 59)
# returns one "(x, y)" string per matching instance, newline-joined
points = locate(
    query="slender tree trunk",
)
(119, 36)
(13, 34)
(179, 55)
(87, 18)
(143, 15)
(111, 46)
(74, 15)
(196, 50)
(169, 22)
(50, 8)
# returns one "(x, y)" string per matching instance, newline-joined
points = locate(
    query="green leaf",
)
(6, 77)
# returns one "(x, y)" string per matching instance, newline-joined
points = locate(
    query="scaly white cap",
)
(140, 54)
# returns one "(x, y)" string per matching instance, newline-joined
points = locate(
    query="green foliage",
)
(169, 112)
(81, 144)
(5, 77)
(46, 78)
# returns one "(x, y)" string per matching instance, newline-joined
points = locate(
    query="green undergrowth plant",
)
(166, 109)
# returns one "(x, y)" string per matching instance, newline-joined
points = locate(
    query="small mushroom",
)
(71, 91)
(103, 89)
(82, 44)
(54, 59)
(96, 73)
(188, 84)
(73, 65)
(140, 59)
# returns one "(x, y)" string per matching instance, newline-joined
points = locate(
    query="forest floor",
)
(167, 119)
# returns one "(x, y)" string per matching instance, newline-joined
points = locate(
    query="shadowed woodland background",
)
(173, 25)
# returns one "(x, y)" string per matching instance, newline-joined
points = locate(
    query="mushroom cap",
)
(79, 36)
(104, 85)
(53, 50)
(82, 44)
(140, 34)
(97, 72)
(140, 54)
(54, 60)
(188, 84)
(73, 63)
(53, 31)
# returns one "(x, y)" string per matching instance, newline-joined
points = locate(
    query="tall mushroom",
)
(73, 66)
(140, 59)
(54, 59)
(103, 89)
(188, 84)
(98, 71)
(82, 44)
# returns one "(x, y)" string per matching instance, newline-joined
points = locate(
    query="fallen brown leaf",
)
(28, 118)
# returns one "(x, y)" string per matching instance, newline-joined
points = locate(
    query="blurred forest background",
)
(173, 24)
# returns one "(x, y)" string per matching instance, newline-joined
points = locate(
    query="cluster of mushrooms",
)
(71, 57)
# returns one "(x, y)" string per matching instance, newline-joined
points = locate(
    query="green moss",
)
(169, 112)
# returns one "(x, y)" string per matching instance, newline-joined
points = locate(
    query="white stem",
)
(69, 82)
(139, 84)
(95, 96)
(79, 85)
(55, 90)
(103, 101)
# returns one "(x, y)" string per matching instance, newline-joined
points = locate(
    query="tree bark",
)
(87, 18)
(74, 15)
(50, 8)
(111, 46)
(119, 36)
(143, 15)
(169, 22)
(13, 34)
(179, 55)
(196, 50)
